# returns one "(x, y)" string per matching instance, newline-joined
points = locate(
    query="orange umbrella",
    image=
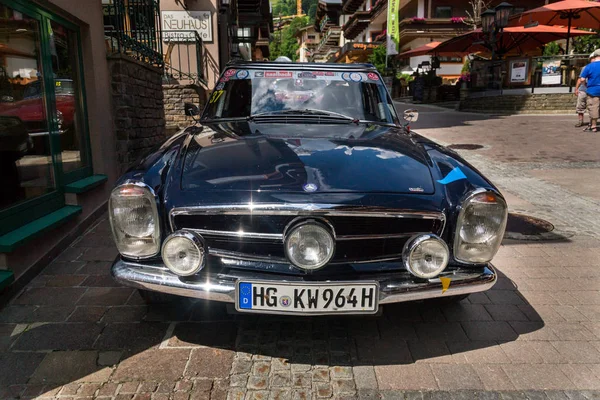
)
(579, 13)
(420, 51)
(428, 49)
(514, 38)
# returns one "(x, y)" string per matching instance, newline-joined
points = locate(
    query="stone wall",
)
(554, 103)
(175, 97)
(137, 105)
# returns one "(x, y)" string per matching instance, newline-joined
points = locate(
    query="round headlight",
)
(309, 245)
(425, 256)
(183, 253)
(480, 227)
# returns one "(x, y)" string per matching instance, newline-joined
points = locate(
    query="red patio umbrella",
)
(579, 13)
(514, 38)
(420, 51)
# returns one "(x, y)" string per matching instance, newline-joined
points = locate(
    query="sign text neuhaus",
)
(199, 21)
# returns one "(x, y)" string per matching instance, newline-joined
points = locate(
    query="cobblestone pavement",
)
(74, 333)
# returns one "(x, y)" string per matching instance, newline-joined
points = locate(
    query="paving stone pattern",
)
(73, 333)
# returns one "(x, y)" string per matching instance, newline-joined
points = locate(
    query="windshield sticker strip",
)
(356, 77)
(242, 74)
(278, 74)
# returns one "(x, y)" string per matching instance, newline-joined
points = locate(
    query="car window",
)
(242, 93)
(32, 90)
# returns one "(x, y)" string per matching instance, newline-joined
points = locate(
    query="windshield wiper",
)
(380, 123)
(306, 111)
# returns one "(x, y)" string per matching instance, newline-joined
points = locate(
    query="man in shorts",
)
(580, 92)
(591, 72)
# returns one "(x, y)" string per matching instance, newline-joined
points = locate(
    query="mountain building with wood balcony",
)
(308, 41)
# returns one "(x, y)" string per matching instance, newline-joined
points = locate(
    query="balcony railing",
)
(324, 23)
(183, 58)
(132, 27)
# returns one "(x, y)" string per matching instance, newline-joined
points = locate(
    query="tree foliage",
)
(586, 44)
(285, 42)
(552, 49)
(474, 13)
(377, 58)
(288, 7)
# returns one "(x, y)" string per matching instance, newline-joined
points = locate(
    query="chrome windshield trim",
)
(304, 209)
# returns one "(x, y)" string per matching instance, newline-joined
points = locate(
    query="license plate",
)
(298, 298)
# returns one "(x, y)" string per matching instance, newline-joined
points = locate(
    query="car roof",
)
(299, 65)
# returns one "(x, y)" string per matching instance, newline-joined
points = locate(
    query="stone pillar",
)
(137, 106)
(175, 97)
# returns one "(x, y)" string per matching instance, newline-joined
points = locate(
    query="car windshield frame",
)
(308, 93)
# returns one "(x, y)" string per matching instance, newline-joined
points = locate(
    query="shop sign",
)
(199, 21)
(393, 30)
(364, 46)
(551, 73)
(518, 70)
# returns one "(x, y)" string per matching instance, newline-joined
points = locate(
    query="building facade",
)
(87, 88)
(58, 154)
(350, 29)
(308, 40)
(225, 29)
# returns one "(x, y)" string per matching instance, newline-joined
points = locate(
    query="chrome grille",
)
(256, 232)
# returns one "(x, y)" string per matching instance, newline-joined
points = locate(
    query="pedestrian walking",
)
(581, 93)
(591, 72)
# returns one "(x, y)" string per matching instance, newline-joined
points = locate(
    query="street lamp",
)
(493, 21)
(503, 11)
(487, 20)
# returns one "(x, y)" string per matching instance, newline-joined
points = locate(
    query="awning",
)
(580, 13)
(518, 39)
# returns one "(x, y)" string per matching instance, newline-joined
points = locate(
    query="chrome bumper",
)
(394, 288)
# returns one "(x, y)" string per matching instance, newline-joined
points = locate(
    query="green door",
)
(43, 125)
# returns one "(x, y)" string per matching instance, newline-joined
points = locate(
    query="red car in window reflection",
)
(31, 110)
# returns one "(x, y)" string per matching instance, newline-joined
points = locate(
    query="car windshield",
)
(307, 93)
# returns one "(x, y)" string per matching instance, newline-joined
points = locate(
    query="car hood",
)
(294, 159)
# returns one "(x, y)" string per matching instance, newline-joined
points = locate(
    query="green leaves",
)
(285, 42)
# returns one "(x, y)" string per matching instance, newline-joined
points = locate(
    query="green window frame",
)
(22, 213)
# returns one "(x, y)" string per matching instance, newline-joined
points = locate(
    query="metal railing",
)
(546, 74)
(568, 70)
(132, 27)
(183, 56)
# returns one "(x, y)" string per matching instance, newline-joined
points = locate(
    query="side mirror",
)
(191, 110)
(411, 115)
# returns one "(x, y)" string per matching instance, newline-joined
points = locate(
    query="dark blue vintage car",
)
(302, 192)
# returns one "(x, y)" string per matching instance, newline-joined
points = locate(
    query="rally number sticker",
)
(215, 96)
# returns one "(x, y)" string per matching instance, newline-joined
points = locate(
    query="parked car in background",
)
(319, 201)
(31, 110)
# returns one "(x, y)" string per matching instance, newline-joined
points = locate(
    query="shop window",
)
(443, 12)
(374, 35)
(244, 36)
(43, 135)
(67, 91)
(25, 156)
